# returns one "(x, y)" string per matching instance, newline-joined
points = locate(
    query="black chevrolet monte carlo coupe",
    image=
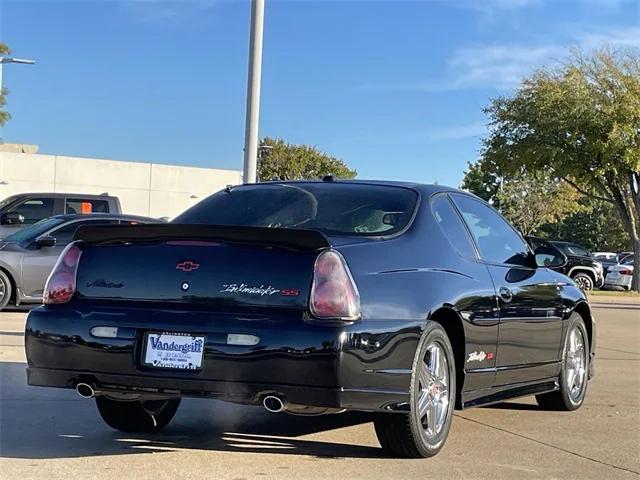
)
(315, 297)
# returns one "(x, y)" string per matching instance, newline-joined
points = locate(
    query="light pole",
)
(253, 92)
(4, 60)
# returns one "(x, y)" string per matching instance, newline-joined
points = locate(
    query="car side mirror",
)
(46, 241)
(12, 218)
(550, 257)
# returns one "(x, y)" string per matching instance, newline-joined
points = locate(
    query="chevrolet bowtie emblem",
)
(187, 266)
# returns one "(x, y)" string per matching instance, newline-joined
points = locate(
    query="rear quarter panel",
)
(402, 282)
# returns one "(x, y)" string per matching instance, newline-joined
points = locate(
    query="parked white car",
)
(605, 255)
(619, 276)
(607, 259)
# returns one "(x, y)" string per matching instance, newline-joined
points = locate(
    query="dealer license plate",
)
(173, 350)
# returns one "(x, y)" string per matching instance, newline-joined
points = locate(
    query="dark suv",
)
(581, 266)
(18, 211)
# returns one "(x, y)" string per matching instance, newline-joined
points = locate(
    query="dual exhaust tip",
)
(271, 403)
(85, 390)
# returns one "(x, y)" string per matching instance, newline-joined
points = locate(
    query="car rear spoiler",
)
(305, 240)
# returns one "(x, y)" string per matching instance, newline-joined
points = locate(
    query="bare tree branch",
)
(585, 192)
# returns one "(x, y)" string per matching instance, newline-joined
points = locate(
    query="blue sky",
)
(394, 88)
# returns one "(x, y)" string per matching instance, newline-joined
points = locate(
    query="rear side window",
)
(573, 249)
(452, 226)
(333, 208)
(497, 241)
(35, 209)
(80, 205)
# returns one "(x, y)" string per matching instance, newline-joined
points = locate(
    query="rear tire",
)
(574, 375)
(584, 281)
(6, 290)
(149, 416)
(422, 432)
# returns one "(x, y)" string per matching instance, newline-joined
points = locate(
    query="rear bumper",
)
(237, 392)
(307, 364)
(624, 281)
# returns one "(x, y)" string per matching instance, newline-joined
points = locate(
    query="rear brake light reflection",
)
(61, 284)
(333, 292)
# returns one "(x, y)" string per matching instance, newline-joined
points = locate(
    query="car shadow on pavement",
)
(513, 406)
(20, 308)
(55, 423)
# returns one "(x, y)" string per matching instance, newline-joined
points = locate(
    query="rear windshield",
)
(333, 208)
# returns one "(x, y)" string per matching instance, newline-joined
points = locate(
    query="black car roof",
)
(424, 188)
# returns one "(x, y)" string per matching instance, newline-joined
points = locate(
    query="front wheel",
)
(575, 370)
(138, 416)
(423, 431)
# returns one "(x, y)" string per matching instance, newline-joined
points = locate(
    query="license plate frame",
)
(167, 351)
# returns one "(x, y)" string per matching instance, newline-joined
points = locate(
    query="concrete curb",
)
(619, 306)
(611, 300)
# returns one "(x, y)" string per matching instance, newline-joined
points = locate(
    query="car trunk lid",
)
(249, 266)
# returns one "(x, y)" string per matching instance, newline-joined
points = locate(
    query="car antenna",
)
(328, 178)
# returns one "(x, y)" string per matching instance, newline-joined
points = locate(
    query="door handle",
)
(505, 294)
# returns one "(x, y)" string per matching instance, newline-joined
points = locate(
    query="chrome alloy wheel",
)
(575, 364)
(584, 282)
(433, 395)
(3, 290)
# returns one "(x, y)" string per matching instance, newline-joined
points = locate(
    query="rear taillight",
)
(626, 272)
(61, 284)
(333, 292)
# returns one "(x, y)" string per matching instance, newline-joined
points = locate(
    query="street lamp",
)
(4, 60)
(253, 93)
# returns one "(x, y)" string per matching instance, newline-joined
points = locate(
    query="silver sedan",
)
(619, 276)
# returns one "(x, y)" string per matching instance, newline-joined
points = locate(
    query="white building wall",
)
(143, 188)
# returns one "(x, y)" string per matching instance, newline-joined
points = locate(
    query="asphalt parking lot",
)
(46, 433)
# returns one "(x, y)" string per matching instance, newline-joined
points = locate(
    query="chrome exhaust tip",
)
(85, 390)
(273, 404)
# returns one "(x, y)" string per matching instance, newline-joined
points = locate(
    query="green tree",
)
(528, 200)
(576, 218)
(279, 160)
(579, 123)
(483, 179)
(597, 227)
(4, 116)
